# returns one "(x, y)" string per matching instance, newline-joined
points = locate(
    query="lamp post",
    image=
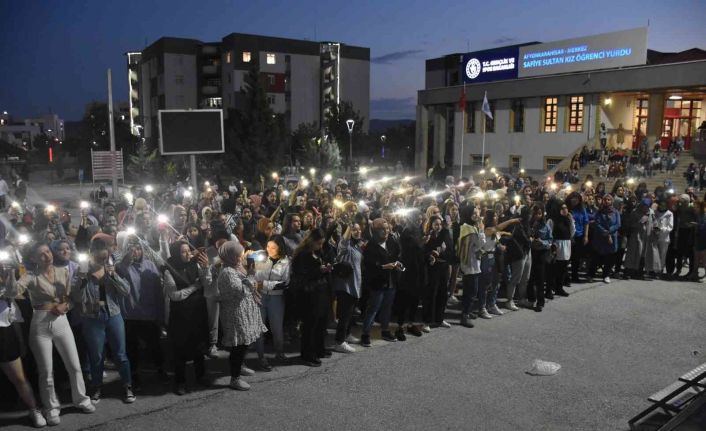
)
(383, 138)
(350, 123)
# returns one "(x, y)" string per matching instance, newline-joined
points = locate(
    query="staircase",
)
(677, 177)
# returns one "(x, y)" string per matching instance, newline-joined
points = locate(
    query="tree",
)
(312, 149)
(255, 140)
(145, 163)
(335, 123)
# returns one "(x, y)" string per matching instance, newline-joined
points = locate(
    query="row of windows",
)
(515, 162)
(550, 116)
(270, 58)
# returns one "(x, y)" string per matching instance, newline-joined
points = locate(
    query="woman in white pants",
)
(49, 288)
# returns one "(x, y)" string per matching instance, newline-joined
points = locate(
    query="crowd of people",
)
(227, 268)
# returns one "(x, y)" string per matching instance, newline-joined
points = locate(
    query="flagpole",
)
(463, 129)
(482, 157)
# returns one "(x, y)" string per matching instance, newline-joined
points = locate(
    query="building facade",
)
(302, 79)
(549, 100)
(21, 133)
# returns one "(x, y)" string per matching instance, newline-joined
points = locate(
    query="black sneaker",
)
(414, 330)
(180, 389)
(538, 308)
(326, 354)
(365, 340)
(96, 395)
(311, 362)
(264, 365)
(129, 397)
(387, 336)
(399, 333)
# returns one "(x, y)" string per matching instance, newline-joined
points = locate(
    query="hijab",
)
(186, 272)
(231, 253)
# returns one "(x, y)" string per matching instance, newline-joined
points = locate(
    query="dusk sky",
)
(55, 53)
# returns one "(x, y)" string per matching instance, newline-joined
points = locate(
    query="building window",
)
(551, 110)
(470, 118)
(270, 58)
(229, 57)
(576, 114)
(515, 163)
(490, 122)
(270, 99)
(271, 79)
(477, 160)
(517, 116)
(246, 56)
(179, 79)
(213, 102)
(551, 162)
(640, 120)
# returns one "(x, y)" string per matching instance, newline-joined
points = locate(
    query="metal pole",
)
(350, 149)
(194, 182)
(113, 168)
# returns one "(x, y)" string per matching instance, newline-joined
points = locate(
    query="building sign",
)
(603, 51)
(489, 65)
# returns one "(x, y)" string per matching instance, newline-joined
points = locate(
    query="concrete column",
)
(459, 158)
(655, 117)
(421, 140)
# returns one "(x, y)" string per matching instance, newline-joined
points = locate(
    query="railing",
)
(564, 164)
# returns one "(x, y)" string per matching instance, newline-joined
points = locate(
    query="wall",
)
(305, 88)
(531, 144)
(355, 87)
(620, 111)
(180, 96)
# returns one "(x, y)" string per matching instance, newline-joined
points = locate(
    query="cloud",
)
(393, 108)
(504, 39)
(395, 56)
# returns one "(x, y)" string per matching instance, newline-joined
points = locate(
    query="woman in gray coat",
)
(640, 227)
(240, 311)
(347, 285)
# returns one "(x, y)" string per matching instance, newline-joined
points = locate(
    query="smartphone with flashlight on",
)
(256, 257)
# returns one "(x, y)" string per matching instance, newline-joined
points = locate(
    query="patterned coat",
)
(239, 314)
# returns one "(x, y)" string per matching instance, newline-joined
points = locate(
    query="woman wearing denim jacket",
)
(541, 246)
(100, 296)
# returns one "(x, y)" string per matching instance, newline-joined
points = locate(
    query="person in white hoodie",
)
(658, 240)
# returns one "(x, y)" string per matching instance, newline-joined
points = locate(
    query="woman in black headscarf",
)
(185, 279)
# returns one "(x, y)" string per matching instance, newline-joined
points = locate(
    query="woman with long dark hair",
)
(541, 249)
(439, 252)
(186, 277)
(562, 225)
(310, 277)
(605, 240)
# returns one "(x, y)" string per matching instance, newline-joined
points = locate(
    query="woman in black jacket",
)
(413, 280)
(439, 253)
(309, 277)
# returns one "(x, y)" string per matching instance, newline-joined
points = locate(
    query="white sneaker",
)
(37, 419)
(352, 340)
(493, 309)
(239, 384)
(87, 408)
(484, 314)
(606, 280)
(344, 347)
(510, 305)
(212, 352)
(445, 324)
(453, 300)
(426, 329)
(245, 371)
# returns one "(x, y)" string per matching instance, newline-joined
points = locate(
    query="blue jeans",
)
(95, 330)
(272, 308)
(470, 291)
(488, 282)
(378, 301)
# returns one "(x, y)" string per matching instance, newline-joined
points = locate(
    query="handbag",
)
(342, 270)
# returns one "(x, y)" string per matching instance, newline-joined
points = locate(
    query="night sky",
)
(54, 53)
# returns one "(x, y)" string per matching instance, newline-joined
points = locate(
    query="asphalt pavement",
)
(616, 343)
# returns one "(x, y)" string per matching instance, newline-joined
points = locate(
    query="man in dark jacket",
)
(380, 267)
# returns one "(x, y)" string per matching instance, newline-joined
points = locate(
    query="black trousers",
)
(619, 256)
(606, 262)
(434, 304)
(313, 308)
(405, 306)
(236, 359)
(537, 279)
(149, 332)
(578, 251)
(180, 367)
(557, 274)
(345, 304)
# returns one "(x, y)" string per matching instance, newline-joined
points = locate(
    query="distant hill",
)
(382, 125)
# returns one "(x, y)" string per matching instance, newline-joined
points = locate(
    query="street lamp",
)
(350, 123)
(383, 138)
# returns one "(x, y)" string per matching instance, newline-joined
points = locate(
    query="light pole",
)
(350, 123)
(383, 138)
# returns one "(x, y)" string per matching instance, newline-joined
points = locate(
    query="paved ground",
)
(616, 343)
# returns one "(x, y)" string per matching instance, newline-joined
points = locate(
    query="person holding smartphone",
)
(100, 296)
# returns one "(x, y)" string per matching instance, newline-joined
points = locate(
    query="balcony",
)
(209, 70)
(209, 90)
